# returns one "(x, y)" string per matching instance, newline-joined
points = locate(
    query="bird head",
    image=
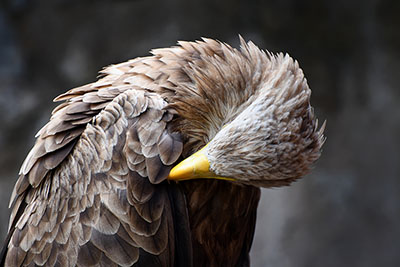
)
(261, 127)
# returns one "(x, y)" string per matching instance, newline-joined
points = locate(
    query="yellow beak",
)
(195, 166)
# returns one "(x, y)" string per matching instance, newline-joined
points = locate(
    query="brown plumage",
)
(93, 191)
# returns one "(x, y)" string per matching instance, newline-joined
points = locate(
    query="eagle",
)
(160, 161)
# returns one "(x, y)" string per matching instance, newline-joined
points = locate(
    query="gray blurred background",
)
(347, 212)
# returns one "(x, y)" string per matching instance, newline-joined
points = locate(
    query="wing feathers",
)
(89, 255)
(15, 256)
(115, 248)
(52, 160)
(37, 173)
(77, 107)
(170, 147)
(154, 244)
(89, 199)
(153, 210)
(63, 232)
(41, 258)
(107, 224)
(141, 227)
(139, 189)
(156, 170)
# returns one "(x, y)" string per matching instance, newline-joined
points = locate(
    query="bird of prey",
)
(160, 161)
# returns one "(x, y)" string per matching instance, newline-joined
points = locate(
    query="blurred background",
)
(347, 212)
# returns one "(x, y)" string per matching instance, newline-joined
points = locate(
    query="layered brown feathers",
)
(93, 190)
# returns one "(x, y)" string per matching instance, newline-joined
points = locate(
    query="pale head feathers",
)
(252, 106)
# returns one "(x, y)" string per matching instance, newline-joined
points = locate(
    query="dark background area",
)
(347, 211)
